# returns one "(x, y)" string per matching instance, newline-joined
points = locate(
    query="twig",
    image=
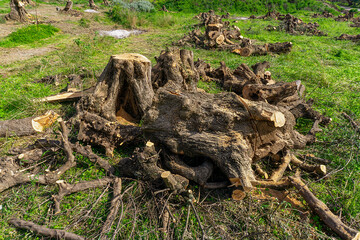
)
(187, 222)
(352, 122)
(198, 219)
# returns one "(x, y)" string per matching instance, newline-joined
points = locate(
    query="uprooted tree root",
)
(221, 36)
(216, 141)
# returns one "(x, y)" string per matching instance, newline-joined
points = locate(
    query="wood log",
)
(330, 219)
(220, 39)
(199, 174)
(27, 126)
(279, 173)
(319, 169)
(171, 182)
(260, 171)
(44, 231)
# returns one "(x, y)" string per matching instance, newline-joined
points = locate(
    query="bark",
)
(114, 208)
(44, 231)
(330, 219)
(109, 116)
(175, 68)
(17, 12)
(92, 4)
(68, 6)
(27, 126)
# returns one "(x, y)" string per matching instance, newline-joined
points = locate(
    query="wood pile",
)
(344, 36)
(348, 16)
(221, 36)
(294, 25)
(214, 140)
(270, 15)
(324, 14)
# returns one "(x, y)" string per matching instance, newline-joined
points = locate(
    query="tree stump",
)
(17, 12)
(109, 116)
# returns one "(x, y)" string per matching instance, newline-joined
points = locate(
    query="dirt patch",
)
(9, 55)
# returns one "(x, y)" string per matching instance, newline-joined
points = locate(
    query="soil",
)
(48, 14)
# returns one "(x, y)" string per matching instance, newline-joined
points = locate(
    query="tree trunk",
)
(17, 12)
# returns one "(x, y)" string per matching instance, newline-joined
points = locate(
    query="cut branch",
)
(330, 219)
(67, 189)
(47, 232)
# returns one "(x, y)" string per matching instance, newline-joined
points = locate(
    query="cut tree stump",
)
(17, 12)
(27, 126)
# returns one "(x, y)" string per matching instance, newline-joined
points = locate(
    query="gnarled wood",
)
(44, 231)
(17, 12)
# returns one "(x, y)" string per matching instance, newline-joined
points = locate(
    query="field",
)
(328, 68)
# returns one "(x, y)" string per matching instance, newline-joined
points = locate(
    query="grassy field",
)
(328, 68)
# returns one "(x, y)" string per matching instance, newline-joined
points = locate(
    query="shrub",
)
(123, 16)
(137, 6)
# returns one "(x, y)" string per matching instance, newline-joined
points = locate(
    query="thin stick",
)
(187, 222)
(198, 219)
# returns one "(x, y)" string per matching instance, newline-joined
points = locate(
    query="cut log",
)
(319, 169)
(330, 219)
(279, 173)
(17, 12)
(27, 126)
(44, 231)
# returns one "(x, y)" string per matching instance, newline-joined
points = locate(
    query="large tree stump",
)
(17, 12)
(109, 116)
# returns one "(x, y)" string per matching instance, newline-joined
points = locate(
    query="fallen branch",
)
(330, 219)
(47, 232)
(67, 189)
(352, 122)
(66, 96)
(319, 169)
(114, 208)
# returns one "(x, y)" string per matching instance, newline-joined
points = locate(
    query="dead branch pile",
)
(294, 25)
(348, 16)
(214, 140)
(220, 35)
(344, 36)
(324, 14)
(270, 15)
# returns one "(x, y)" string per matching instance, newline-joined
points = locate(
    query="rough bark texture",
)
(92, 4)
(17, 12)
(109, 116)
(44, 231)
(27, 126)
(330, 219)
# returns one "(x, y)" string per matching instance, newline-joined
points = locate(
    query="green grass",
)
(28, 35)
(327, 67)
